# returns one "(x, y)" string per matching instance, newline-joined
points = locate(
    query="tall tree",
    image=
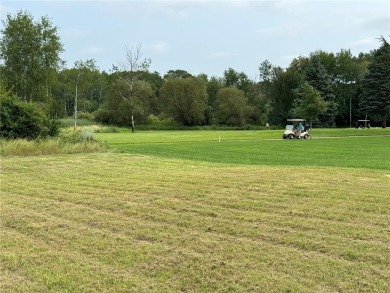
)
(156, 82)
(309, 104)
(265, 70)
(130, 72)
(345, 78)
(63, 94)
(259, 104)
(30, 53)
(185, 99)
(213, 86)
(281, 93)
(263, 107)
(375, 99)
(232, 107)
(345, 72)
(85, 72)
(237, 79)
(316, 75)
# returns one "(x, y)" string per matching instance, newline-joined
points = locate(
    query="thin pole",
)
(75, 108)
(350, 112)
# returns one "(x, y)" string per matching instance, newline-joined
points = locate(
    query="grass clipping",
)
(122, 223)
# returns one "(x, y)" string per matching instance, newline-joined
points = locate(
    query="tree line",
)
(331, 89)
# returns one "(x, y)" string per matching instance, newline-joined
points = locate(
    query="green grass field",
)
(356, 148)
(182, 212)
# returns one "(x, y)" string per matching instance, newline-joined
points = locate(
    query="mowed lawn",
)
(189, 215)
(356, 148)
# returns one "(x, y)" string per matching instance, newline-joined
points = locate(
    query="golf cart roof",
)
(296, 120)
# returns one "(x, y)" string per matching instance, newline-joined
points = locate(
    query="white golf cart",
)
(363, 123)
(292, 130)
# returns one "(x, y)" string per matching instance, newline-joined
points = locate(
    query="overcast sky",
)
(210, 36)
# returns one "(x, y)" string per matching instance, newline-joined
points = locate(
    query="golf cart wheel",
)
(306, 136)
(291, 136)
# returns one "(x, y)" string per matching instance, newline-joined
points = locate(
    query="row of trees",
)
(331, 89)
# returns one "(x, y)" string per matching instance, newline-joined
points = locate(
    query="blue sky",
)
(210, 36)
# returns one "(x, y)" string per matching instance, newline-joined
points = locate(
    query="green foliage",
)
(279, 91)
(309, 104)
(19, 119)
(232, 107)
(125, 102)
(162, 121)
(155, 81)
(131, 95)
(185, 100)
(30, 52)
(85, 115)
(237, 79)
(92, 88)
(178, 73)
(316, 75)
(345, 71)
(375, 98)
(105, 116)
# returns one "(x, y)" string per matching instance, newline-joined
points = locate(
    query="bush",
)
(105, 129)
(19, 119)
(69, 135)
(104, 116)
(85, 115)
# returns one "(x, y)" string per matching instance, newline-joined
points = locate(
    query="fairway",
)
(337, 148)
(183, 212)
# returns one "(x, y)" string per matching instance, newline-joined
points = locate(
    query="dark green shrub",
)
(19, 119)
(104, 116)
